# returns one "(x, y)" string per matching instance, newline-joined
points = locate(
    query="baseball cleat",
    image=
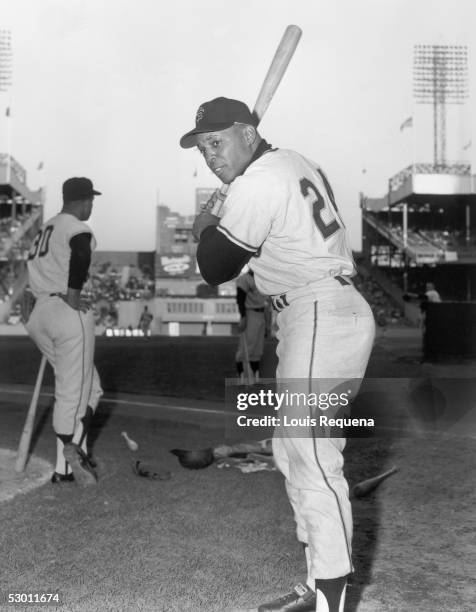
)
(300, 599)
(56, 478)
(79, 463)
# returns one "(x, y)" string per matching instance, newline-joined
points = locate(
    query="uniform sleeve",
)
(80, 260)
(218, 258)
(250, 208)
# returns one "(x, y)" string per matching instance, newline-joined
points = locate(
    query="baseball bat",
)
(24, 444)
(279, 64)
(246, 359)
(366, 486)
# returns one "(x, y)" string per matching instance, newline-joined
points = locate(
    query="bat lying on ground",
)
(366, 486)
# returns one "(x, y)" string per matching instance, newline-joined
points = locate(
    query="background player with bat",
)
(62, 326)
(280, 217)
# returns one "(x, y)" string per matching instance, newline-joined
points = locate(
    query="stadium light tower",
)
(5, 60)
(440, 77)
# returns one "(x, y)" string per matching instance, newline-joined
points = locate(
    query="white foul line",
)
(129, 402)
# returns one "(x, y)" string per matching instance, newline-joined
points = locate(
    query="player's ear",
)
(250, 134)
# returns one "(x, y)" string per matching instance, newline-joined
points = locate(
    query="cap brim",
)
(96, 192)
(189, 139)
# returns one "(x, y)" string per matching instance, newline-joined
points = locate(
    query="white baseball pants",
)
(325, 338)
(66, 337)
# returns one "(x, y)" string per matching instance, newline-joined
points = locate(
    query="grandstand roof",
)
(13, 182)
(421, 183)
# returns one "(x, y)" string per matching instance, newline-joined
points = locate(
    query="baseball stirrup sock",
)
(254, 366)
(310, 580)
(62, 466)
(330, 594)
(239, 367)
(82, 429)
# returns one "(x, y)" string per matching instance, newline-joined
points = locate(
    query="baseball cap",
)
(77, 188)
(216, 115)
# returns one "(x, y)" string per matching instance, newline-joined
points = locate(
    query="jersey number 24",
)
(319, 204)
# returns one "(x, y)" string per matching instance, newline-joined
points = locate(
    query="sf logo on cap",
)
(200, 113)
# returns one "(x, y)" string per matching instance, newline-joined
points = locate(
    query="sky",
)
(106, 88)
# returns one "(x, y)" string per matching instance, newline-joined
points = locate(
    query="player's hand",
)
(242, 324)
(202, 221)
(76, 301)
(215, 202)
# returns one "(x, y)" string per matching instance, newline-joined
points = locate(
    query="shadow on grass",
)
(367, 454)
(43, 420)
(366, 515)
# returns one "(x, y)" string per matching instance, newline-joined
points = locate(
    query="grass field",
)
(220, 540)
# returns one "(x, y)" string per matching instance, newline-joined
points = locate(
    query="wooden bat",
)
(24, 444)
(281, 59)
(249, 378)
(366, 486)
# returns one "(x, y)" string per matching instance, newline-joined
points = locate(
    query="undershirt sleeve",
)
(80, 260)
(220, 259)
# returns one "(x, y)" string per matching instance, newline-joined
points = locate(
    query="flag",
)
(407, 123)
(40, 166)
(467, 145)
(7, 112)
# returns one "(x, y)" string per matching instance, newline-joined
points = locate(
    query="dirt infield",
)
(218, 540)
(12, 483)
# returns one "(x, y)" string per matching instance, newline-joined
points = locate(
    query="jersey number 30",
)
(41, 243)
(319, 204)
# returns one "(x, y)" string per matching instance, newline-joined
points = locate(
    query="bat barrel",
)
(366, 486)
(24, 444)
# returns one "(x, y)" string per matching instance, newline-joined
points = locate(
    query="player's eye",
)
(215, 143)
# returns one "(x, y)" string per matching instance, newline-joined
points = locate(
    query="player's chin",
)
(225, 175)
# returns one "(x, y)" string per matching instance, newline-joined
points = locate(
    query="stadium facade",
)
(424, 230)
(21, 215)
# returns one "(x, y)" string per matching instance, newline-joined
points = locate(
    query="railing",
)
(197, 310)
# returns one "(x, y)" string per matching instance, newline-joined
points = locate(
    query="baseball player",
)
(62, 326)
(252, 326)
(280, 217)
(430, 295)
(144, 322)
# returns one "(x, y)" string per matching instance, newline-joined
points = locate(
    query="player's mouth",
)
(218, 170)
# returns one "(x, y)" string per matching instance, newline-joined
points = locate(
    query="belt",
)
(279, 302)
(56, 294)
(256, 309)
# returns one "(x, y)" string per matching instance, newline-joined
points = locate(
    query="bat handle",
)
(219, 205)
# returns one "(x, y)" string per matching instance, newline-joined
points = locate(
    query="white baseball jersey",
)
(283, 210)
(49, 256)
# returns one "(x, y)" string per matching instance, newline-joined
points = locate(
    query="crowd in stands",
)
(449, 240)
(108, 285)
(16, 248)
(386, 311)
(443, 239)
